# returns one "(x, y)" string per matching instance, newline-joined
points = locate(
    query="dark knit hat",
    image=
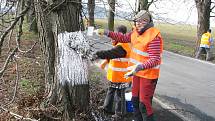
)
(122, 29)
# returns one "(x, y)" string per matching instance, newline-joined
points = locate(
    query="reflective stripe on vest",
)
(140, 52)
(118, 69)
(135, 62)
(121, 59)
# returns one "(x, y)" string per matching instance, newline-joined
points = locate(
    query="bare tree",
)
(144, 4)
(55, 17)
(91, 8)
(203, 8)
(111, 14)
(212, 9)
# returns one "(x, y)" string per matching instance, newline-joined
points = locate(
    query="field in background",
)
(178, 38)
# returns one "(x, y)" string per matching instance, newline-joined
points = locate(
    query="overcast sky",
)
(173, 11)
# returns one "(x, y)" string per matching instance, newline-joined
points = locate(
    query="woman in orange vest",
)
(145, 59)
(118, 58)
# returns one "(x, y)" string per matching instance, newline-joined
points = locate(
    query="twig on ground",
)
(16, 83)
(17, 116)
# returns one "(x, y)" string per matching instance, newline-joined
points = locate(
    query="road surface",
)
(189, 84)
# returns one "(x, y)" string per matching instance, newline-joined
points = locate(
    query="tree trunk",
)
(91, 8)
(203, 9)
(31, 19)
(47, 44)
(143, 5)
(111, 14)
(64, 17)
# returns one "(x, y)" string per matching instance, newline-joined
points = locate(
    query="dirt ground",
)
(29, 86)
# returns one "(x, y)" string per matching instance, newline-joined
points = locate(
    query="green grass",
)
(30, 87)
(177, 38)
(182, 32)
(27, 35)
(104, 24)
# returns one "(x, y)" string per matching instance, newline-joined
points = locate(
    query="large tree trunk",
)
(111, 14)
(203, 8)
(64, 17)
(91, 8)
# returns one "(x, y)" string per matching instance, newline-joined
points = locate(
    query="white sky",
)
(173, 11)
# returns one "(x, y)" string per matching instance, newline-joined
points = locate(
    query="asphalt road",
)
(189, 85)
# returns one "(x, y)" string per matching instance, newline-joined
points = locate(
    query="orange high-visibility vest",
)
(205, 39)
(118, 67)
(139, 53)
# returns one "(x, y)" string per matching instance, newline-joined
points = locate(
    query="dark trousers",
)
(202, 50)
(119, 96)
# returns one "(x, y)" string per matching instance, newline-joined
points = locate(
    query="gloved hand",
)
(102, 32)
(134, 69)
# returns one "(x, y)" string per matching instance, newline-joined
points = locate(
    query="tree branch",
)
(149, 4)
(11, 32)
(7, 61)
(212, 8)
(12, 26)
(8, 10)
(16, 83)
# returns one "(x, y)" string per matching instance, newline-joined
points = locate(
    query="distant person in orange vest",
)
(205, 45)
(145, 59)
(117, 59)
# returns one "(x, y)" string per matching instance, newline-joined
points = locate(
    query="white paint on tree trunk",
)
(71, 67)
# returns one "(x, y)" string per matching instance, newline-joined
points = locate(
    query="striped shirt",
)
(153, 49)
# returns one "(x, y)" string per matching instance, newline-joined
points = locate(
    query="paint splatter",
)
(72, 67)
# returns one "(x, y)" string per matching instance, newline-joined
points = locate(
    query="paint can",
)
(90, 30)
(129, 105)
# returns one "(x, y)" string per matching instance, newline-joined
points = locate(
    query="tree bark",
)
(31, 19)
(47, 44)
(91, 8)
(203, 9)
(143, 5)
(53, 18)
(111, 14)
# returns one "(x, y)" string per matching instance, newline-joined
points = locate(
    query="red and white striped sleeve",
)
(119, 37)
(154, 51)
